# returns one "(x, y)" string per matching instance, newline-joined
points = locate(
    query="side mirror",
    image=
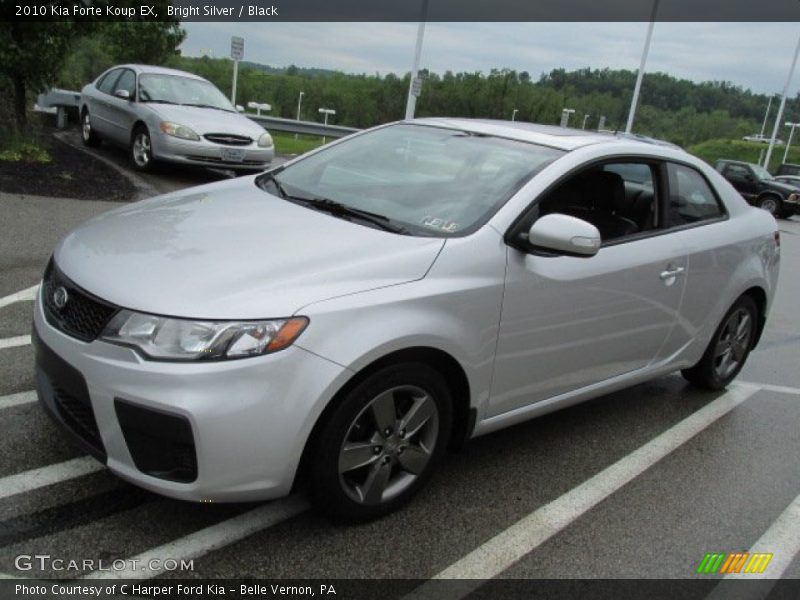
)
(124, 94)
(563, 234)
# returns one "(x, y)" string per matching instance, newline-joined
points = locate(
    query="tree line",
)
(678, 110)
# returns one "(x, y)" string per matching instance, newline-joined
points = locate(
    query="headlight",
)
(265, 141)
(164, 338)
(178, 131)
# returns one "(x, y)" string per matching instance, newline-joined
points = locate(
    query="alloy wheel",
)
(770, 205)
(141, 149)
(733, 343)
(388, 445)
(86, 129)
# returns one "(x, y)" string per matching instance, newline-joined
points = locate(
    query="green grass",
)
(285, 143)
(711, 150)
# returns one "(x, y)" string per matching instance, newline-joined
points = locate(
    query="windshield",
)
(174, 89)
(761, 172)
(429, 180)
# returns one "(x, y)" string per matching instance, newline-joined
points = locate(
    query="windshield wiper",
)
(269, 177)
(329, 206)
(206, 106)
(337, 209)
(158, 101)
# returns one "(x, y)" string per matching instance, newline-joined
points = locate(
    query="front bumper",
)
(247, 420)
(208, 154)
(792, 204)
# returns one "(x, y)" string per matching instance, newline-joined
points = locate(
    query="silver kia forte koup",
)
(344, 319)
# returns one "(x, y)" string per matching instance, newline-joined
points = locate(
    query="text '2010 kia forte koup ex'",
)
(342, 320)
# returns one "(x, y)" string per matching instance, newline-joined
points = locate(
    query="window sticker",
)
(442, 224)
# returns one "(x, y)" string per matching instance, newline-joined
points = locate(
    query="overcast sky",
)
(752, 55)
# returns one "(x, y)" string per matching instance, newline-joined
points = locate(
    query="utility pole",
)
(414, 87)
(782, 106)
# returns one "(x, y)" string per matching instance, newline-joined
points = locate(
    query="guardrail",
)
(304, 127)
(63, 99)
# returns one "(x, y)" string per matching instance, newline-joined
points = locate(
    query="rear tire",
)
(88, 135)
(728, 349)
(379, 445)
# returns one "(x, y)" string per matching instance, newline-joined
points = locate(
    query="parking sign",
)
(237, 48)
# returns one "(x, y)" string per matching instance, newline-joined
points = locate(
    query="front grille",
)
(79, 416)
(83, 316)
(228, 139)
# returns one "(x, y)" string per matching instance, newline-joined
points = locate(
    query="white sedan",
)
(343, 319)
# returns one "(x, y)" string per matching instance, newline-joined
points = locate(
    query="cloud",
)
(751, 55)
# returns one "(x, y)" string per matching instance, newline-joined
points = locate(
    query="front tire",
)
(141, 150)
(88, 135)
(379, 445)
(771, 204)
(728, 349)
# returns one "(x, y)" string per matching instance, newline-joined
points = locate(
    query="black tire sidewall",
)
(705, 368)
(324, 484)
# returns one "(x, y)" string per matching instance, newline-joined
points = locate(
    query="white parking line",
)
(21, 296)
(14, 342)
(37, 478)
(781, 389)
(524, 536)
(207, 540)
(782, 540)
(17, 399)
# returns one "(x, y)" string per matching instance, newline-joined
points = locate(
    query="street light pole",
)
(585, 118)
(299, 103)
(326, 112)
(782, 106)
(514, 115)
(789, 142)
(411, 102)
(766, 116)
(640, 74)
(565, 115)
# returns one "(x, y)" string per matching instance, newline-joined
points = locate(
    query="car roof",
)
(563, 138)
(141, 69)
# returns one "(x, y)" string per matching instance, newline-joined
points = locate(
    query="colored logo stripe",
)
(734, 562)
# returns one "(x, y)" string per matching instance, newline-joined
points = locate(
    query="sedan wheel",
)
(728, 350)
(88, 135)
(141, 150)
(377, 449)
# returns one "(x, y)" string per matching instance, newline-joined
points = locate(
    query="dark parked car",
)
(760, 188)
(788, 169)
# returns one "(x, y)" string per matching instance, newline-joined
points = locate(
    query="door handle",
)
(671, 272)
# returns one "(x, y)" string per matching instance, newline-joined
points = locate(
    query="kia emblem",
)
(60, 297)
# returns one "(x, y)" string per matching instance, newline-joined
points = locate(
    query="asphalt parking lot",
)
(636, 484)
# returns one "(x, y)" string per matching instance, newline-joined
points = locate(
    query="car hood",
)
(232, 251)
(207, 120)
(779, 186)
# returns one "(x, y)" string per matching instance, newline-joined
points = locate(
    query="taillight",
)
(778, 238)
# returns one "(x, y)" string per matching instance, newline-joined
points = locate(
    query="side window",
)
(127, 81)
(690, 197)
(106, 84)
(618, 198)
(736, 172)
